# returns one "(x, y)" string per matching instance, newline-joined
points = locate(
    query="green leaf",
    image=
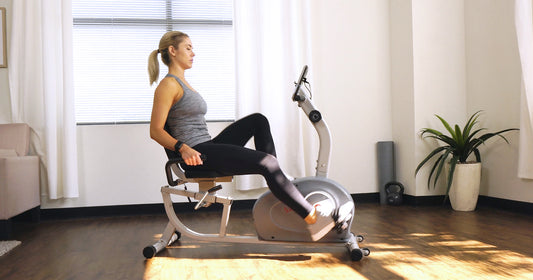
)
(458, 137)
(447, 126)
(453, 162)
(442, 161)
(444, 138)
(489, 135)
(470, 124)
(471, 136)
(428, 157)
(478, 155)
(432, 171)
(430, 131)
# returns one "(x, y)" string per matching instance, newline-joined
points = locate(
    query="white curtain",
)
(272, 42)
(42, 92)
(524, 31)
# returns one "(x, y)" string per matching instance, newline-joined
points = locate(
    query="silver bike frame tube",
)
(324, 136)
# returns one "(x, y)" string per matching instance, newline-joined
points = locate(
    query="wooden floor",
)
(406, 243)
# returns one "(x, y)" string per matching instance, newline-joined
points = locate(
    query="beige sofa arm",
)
(19, 185)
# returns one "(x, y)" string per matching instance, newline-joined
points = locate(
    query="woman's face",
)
(184, 55)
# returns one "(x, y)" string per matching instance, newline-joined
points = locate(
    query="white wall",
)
(439, 72)
(352, 85)
(374, 80)
(402, 91)
(494, 86)
(464, 59)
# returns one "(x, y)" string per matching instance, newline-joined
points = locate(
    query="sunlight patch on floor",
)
(444, 267)
(471, 259)
(462, 244)
(418, 255)
(252, 266)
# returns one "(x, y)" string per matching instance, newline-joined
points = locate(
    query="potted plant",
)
(463, 174)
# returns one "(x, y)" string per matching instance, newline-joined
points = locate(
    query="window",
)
(113, 38)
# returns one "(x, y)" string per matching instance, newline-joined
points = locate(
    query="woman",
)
(178, 124)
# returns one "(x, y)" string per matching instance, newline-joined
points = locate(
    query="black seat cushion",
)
(202, 174)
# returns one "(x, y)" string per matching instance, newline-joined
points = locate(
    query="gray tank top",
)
(186, 118)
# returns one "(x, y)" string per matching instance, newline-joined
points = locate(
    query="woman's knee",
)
(269, 165)
(259, 118)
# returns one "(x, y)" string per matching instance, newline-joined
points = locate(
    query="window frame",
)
(170, 24)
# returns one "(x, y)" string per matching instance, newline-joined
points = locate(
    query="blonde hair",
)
(171, 38)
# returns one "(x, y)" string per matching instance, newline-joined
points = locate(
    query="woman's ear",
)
(172, 50)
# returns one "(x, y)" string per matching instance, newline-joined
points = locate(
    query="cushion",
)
(202, 174)
(8, 153)
(15, 136)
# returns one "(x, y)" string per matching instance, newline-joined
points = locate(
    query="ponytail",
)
(153, 66)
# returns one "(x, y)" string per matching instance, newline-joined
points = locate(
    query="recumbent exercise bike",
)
(273, 223)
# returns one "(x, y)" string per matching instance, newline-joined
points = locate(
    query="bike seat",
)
(202, 174)
(194, 175)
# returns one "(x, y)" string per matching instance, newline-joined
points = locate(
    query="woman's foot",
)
(320, 222)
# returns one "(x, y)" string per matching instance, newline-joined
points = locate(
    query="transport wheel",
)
(365, 251)
(356, 254)
(149, 252)
(360, 238)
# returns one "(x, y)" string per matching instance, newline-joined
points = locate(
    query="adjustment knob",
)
(315, 116)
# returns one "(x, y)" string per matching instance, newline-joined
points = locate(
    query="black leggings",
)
(226, 154)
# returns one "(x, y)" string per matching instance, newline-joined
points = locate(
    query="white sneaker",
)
(326, 206)
(345, 211)
(324, 224)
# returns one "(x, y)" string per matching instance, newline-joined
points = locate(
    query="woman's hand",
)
(190, 155)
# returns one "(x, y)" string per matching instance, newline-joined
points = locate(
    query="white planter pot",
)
(465, 186)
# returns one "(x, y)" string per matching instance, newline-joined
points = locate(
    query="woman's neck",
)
(177, 71)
